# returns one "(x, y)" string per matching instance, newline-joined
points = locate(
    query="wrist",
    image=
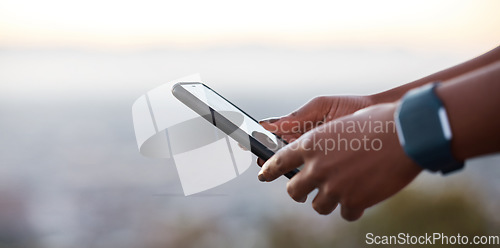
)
(384, 113)
(388, 96)
(397, 93)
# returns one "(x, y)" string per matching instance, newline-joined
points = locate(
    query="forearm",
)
(472, 102)
(443, 76)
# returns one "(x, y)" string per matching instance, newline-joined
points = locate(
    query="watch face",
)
(423, 123)
(421, 128)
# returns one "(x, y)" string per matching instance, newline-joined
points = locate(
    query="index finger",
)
(286, 159)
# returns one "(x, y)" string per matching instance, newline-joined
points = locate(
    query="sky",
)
(113, 24)
(361, 46)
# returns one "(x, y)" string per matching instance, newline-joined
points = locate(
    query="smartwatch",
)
(424, 130)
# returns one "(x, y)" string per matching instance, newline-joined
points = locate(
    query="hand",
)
(356, 161)
(315, 112)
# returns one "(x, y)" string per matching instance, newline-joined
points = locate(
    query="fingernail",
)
(270, 120)
(261, 178)
(303, 199)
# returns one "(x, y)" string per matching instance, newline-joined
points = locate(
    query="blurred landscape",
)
(71, 174)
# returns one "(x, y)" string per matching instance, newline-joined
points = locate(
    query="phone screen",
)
(244, 122)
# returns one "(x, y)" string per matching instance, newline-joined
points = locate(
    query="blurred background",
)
(70, 171)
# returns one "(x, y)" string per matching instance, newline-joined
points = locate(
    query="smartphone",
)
(230, 119)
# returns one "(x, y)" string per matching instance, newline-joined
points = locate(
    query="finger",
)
(269, 125)
(260, 161)
(300, 186)
(351, 214)
(285, 160)
(283, 125)
(325, 202)
(290, 137)
(269, 120)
